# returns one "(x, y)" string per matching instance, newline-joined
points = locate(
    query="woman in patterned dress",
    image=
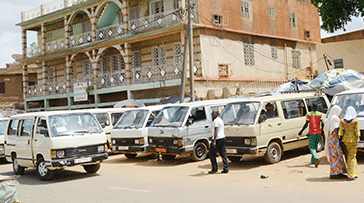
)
(335, 154)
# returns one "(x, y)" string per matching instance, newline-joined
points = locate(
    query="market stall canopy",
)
(337, 80)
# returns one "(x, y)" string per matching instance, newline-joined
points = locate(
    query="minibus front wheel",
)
(43, 172)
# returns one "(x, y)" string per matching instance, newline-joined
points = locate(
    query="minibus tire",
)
(234, 159)
(18, 170)
(91, 169)
(274, 153)
(200, 151)
(131, 156)
(42, 171)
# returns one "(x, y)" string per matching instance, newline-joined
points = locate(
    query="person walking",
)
(349, 132)
(335, 155)
(218, 144)
(315, 126)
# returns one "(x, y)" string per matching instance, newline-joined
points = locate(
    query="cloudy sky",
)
(10, 39)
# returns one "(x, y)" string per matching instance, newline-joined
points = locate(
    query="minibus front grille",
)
(81, 151)
(126, 141)
(161, 141)
(234, 141)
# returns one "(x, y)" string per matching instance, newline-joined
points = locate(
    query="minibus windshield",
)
(2, 127)
(354, 100)
(132, 119)
(243, 113)
(73, 124)
(171, 117)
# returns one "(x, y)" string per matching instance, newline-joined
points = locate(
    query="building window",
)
(224, 71)
(217, 19)
(293, 20)
(51, 73)
(178, 54)
(2, 87)
(338, 63)
(156, 7)
(87, 70)
(274, 51)
(271, 12)
(245, 8)
(159, 56)
(307, 35)
(136, 59)
(249, 53)
(296, 59)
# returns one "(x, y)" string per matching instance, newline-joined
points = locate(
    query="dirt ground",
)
(146, 180)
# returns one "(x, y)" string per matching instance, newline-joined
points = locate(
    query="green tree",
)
(335, 14)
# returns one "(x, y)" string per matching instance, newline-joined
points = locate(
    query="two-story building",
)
(93, 53)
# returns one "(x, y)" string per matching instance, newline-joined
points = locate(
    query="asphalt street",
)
(149, 180)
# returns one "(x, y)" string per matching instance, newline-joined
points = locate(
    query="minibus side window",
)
(198, 114)
(319, 101)
(269, 111)
(294, 109)
(115, 118)
(13, 128)
(27, 128)
(42, 127)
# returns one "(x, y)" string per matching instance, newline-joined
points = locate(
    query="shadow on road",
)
(163, 163)
(30, 177)
(124, 160)
(325, 179)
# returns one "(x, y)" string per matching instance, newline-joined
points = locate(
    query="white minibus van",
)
(54, 140)
(130, 134)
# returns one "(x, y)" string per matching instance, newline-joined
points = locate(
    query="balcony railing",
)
(81, 39)
(55, 45)
(156, 73)
(34, 91)
(114, 79)
(57, 87)
(50, 7)
(110, 32)
(153, 21)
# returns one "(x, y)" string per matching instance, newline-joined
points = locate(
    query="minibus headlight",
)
(247, 141)
(60, 154)
(250, 141)
(150, 140)
(113, 141)
(101, 148)
(139, 141)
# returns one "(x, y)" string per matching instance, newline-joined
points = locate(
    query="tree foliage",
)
(335, 14)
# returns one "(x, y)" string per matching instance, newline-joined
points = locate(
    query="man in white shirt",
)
(218, 144)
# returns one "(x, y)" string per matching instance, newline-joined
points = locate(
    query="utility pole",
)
(190, 48)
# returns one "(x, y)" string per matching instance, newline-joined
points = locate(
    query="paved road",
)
(144, 180)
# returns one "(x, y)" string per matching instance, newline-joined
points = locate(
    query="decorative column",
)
(43, 78)
(25, 66)
(67, 33)
(128, 67)
(93, 25)
(125, 16)
(69, 80)
(43, 44)
(95, 75)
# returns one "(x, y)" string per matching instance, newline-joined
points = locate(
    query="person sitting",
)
(270, 111)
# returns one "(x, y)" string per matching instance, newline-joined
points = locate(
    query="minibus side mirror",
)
(189, 121)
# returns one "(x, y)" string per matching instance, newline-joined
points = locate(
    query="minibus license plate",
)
(361, 145)
(231, 151)
(83, 160)
(161, 150)
(123, 148)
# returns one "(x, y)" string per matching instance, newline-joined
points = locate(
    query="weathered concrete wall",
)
(259, 20)
(350, 51)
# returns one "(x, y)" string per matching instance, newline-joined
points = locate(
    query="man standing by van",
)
(315, 126)
(218, 144)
